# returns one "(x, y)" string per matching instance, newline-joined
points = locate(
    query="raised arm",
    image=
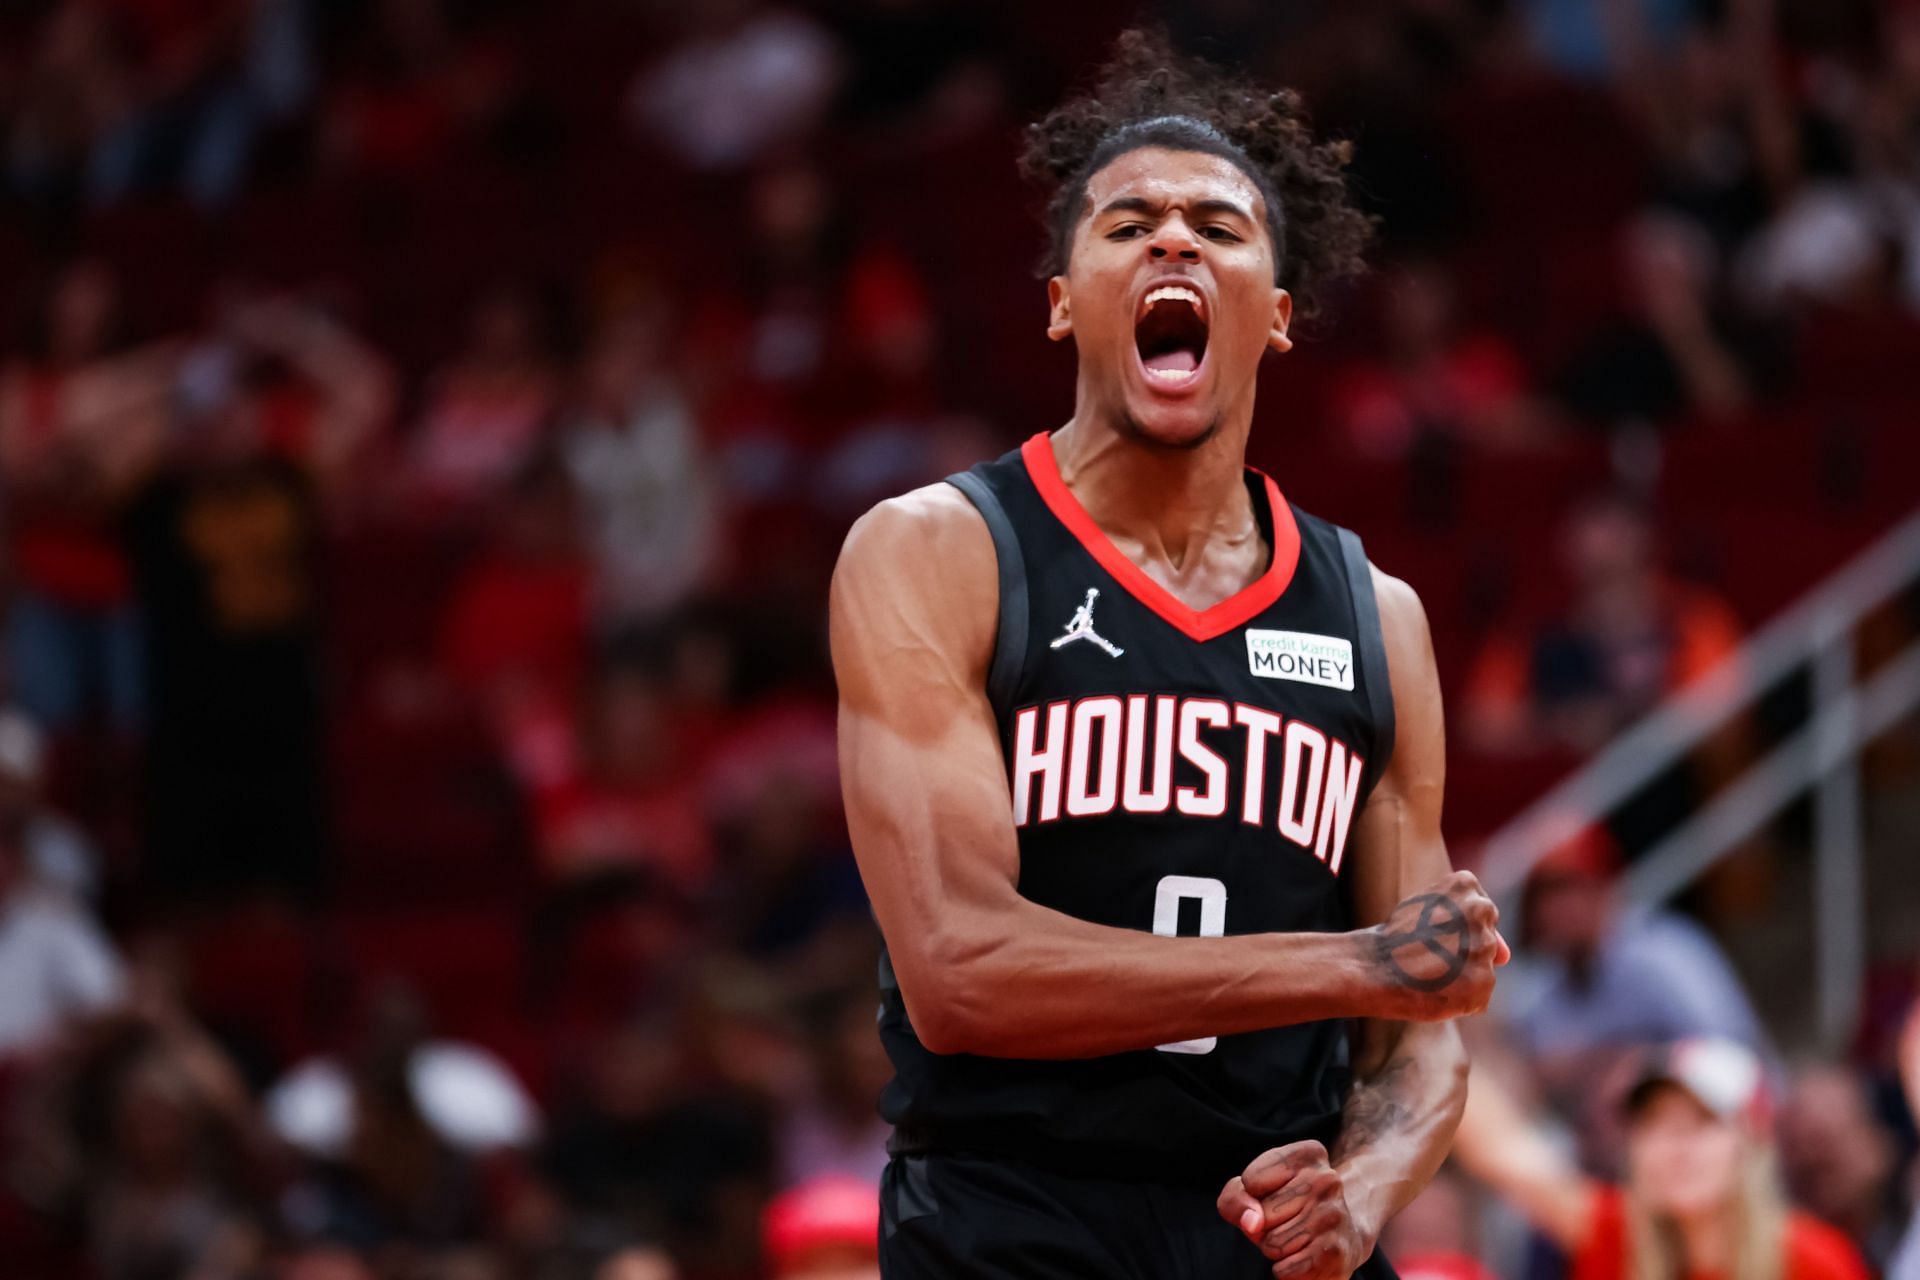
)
(1499, 1144)
(1316, 1213)
(981, 968)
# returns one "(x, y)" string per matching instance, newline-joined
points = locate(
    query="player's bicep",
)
(1398, 849)
(912, 615)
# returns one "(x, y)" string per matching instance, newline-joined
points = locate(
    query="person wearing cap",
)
(827, 1228)
(1701, 1198)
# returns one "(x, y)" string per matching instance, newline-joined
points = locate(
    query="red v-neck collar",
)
(1200, 624)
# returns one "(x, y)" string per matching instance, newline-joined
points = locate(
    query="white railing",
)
(1815, 634)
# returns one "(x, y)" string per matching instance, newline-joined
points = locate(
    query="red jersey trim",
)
(1200, 624)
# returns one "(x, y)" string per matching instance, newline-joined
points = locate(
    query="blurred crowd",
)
(426, 427)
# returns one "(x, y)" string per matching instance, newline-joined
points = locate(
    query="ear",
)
(1059, 309)
(1277, 337)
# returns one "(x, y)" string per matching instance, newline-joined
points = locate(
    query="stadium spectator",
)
(1628, 635)
(835, 1129)
(515, 632)
(1598, 981)
(75, 95)
(789, 891)
(143, 1135)
(649, 504)
(1840, 1160)
(1436, 380)
(82, 419)
(1433, 1238)
(275, 406)
(743, 78)
(58, 964)
(919, 73)
(1675, 353)
(629, 799)
(417, 82)
(1719, 137)
(822, 334)
(651, 1147)
(1701, 1195)
(383, 1175)
(488, 410)
(280, 376)
(463, 1092)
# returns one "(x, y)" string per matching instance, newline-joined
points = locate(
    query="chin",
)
(1161, 426)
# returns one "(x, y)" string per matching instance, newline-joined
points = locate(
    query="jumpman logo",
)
(1081, 627)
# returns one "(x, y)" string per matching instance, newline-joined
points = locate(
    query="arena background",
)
(426, 429)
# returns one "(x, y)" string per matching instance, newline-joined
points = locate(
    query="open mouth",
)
(1171, 334)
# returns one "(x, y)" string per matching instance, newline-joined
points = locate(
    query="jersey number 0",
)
(1212, 897)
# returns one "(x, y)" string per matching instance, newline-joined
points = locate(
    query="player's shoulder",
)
(935, 520)
(1406, 637)
(1398, 602)
(1396, 598)
(916, 572)
(930, 543)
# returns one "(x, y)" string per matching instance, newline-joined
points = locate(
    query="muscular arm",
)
(1319, 1214)
(981, 968)
(1410, 1078)
(1500, 1145)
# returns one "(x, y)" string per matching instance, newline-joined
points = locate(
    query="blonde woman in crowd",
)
(1701, 1198)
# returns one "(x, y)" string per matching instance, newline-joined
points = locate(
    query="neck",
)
(1174, 502)
(1704, 1239)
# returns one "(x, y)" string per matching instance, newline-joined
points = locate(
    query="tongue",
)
(1177, 361)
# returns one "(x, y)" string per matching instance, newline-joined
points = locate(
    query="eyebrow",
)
(1140, 204)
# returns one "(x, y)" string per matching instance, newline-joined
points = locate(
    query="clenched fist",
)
(1434, 956)
(1292, 1204)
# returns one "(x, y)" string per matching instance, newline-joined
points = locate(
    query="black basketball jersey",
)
(1176, 770)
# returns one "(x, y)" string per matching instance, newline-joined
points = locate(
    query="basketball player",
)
(1143, 765)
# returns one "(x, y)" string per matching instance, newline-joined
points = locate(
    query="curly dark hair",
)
(1147, 95)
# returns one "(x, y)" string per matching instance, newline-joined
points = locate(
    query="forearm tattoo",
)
(1376, 1106)
(1440, 931)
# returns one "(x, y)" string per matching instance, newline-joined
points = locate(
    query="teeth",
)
(1171, 375)
(1171, 291)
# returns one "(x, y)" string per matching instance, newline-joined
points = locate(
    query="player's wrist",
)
(1374, 993)
(1367, 1210)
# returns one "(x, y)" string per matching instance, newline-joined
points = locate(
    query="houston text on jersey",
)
(1157, 753)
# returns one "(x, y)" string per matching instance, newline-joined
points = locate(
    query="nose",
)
(1174, 239)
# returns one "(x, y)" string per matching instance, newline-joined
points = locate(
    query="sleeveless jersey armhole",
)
(1010, 634)
(1371, 647)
